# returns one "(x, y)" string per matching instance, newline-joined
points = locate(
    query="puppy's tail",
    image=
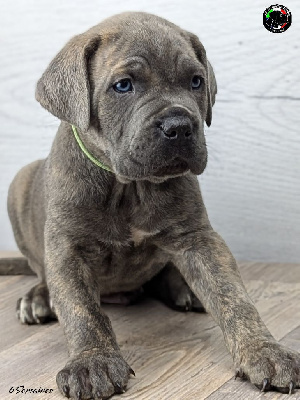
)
(14, 266)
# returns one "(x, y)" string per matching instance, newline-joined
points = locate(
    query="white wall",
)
(252, 184)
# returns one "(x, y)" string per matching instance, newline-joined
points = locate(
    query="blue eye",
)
(123, 86)
(196, 82)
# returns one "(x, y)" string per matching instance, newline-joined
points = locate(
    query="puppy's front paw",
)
(271, 366)
(34, 307)
(94, 374)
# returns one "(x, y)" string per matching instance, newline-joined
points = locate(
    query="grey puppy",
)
(117, 203)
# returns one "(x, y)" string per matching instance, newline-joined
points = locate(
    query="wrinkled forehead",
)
(155, 48)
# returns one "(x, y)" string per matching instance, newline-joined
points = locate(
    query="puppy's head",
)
(139, 90)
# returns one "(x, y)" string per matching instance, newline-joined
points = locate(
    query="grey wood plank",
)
(14, 263)
(268, 272)
(11, 289)
(175, 355)
(14, 266)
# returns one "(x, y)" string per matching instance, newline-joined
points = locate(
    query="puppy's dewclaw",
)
(117, 207)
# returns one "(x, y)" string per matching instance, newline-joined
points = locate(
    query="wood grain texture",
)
(175, 355)
(252, 184)
(14, 266)
(13, 263)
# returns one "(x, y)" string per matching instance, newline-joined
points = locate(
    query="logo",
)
(277, 19)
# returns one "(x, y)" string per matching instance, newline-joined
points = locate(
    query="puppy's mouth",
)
(175, 167)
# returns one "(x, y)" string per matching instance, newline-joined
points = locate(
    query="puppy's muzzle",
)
(176, 125)
(178, 128)
(177, 134)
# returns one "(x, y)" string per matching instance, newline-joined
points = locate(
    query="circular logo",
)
(277, 19)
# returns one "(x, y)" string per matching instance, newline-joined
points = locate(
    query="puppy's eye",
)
(123, 86)
(196, 82)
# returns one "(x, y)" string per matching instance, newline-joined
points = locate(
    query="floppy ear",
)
(64, 88)
(211, 83)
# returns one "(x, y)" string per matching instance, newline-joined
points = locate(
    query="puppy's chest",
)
(122, 231)
(128, 219)
(125, 268)
(126, 227)
(139, 235)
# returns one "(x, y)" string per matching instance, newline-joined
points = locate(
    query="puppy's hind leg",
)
(34, 307)
(170, 287)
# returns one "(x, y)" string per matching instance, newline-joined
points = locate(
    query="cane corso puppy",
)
(117, 206)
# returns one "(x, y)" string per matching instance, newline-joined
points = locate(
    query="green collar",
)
(86, 152)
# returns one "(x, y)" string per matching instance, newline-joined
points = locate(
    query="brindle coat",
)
(90, 233)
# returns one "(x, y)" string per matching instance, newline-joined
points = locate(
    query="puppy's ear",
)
(64, 88)
(211, 83)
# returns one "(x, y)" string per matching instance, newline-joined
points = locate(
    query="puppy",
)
(116, 205)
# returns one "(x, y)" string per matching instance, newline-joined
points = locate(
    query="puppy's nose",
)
(176, 123)
(176, 128)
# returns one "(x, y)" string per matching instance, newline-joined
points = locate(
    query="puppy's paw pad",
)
(185, 300)
(34, 307)
(272, 367)
(33, 311)
(94, 375)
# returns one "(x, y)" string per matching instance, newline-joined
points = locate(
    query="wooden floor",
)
(176, 356)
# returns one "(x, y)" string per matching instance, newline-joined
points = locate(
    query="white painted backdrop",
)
(252, 184)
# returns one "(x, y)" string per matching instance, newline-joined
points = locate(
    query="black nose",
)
(178, 127)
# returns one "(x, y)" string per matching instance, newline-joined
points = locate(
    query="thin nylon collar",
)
(86, 152)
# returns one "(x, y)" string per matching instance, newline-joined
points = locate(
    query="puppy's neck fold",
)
(87, 153)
